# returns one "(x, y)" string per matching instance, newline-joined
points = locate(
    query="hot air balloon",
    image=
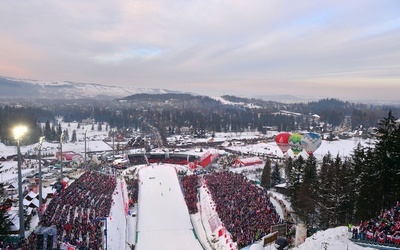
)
(282, 140)
(295, 143)
(311, 142)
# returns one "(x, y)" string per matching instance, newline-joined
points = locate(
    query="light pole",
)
(41, 140)
(85, 147)
(19, 131)
(113, 138)
(61, 156)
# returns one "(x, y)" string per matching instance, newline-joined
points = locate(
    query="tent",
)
(244, 162)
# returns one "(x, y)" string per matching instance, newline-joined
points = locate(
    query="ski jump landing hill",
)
(163, 218)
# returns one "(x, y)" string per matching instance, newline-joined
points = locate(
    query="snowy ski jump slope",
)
(163, 218)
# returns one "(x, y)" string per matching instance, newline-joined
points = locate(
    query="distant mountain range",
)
(27, 88)
(35, 89)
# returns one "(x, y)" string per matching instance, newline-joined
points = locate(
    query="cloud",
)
(208, 47)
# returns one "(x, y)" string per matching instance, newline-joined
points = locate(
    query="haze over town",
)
(339, 49)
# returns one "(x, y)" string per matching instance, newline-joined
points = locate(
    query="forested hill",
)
(173, 101)
(334, 110)
(330, 110)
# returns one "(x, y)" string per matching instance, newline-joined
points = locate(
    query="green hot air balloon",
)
(295, 143)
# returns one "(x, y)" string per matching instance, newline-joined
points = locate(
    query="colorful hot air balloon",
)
(282, 140)
(295, 143)
(311, 142)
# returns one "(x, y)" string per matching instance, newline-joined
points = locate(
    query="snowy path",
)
(116, 221)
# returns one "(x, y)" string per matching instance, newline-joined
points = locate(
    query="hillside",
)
(34, 89)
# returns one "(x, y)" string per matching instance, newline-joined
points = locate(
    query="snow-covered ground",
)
(341, 147)
(163, 220)
(332, 239)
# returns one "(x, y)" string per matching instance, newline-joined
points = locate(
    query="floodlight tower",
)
(19, 132)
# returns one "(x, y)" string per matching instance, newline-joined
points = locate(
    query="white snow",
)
(333, 238)
(117, 225)
(163, 218)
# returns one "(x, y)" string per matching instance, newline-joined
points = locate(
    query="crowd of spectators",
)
(177, 161)
(141, 159)
(133, 189)
(243, 207)
(189, 185)
(137, 159)
(9, 245)
(74, 210)
(383, 229)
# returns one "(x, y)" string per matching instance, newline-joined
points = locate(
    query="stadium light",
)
(19, 132)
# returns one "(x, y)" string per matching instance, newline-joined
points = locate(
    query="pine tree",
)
(336, 191)
(323, 199)
(396, 162)
(276, 175)
(387, 161)
(367, 205)
(47, 131)
(357, 161)
(59, 130)
(5, 222)
(266, 175)
(295, 178)
(304, 199)
(66, 135)
(343, 212)
(308, 191)
(54, 135)
(289, 176)
(73, 137)
(347, 206)
(288, 169)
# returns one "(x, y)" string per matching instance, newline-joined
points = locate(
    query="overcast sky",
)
(342, 49)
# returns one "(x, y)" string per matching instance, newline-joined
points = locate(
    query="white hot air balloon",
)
(311, 142)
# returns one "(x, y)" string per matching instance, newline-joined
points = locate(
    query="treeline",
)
(198, 112)
(338, 191)
(214, 120)
(334, 111)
